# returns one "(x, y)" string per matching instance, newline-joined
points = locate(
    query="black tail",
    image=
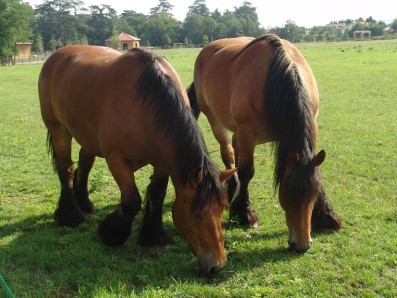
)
(191, 93)
(51, 151)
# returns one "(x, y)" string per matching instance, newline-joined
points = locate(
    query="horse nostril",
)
(294, 247)
(212, 271)
(209, 271)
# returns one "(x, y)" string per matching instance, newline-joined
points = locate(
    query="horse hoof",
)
(249, 218)
(114, 230)
(86, 206)
(83, 200)
(69, 219)
(154, 238)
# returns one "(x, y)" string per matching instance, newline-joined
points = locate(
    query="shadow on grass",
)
(73, 261)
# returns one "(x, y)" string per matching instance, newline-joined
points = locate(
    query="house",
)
(123, 42)
(24, 50)
(338, 27)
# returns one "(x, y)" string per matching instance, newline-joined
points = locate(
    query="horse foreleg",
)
(324, 219)
(80, 181)
(152, 232)
(68, 212)
(240, 205)
(116, 227)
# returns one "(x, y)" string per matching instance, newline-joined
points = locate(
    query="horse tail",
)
(51, 151)
(191, 93)
(288, 108)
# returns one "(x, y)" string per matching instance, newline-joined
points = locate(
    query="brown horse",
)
(263, 90)
(132, 110)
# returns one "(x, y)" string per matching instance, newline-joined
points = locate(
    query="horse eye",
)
(198, 217)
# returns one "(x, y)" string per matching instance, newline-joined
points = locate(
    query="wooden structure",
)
(362, 34)
(322, 37)
(24, 50)
(123, 42)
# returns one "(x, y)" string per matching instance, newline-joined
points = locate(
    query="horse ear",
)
(292, 160)
(319, 158)
(226, 174)
(195, 177)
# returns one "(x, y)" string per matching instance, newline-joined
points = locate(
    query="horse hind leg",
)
(233, 181)
(68, 212)
(227, 153)
(152, 232)
(80, 181)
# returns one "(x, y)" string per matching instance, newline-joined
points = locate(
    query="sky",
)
(272, 13)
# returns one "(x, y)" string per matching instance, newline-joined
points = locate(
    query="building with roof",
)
(24, 50)
(123, 42)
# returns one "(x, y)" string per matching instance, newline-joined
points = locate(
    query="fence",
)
(22, 59)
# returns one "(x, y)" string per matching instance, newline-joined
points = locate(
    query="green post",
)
(6, 288)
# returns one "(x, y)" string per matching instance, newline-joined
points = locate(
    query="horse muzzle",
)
(210, 265)
(299, 248)
(299, 245)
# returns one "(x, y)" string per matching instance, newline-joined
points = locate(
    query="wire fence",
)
(25, 59)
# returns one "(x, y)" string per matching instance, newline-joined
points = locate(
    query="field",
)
(357, 129)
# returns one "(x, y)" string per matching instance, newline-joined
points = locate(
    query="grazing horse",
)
(132, 110)
(263, 90)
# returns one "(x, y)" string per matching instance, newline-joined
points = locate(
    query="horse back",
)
(90, 92)
(229, 84)
(230, 79)
(69, 79)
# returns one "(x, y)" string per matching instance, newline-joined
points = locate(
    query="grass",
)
(357, 128)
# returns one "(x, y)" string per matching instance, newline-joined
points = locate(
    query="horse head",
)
(299, 189)
(197, 213)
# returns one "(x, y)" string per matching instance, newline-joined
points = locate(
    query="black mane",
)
(174, 120)
(290, 118)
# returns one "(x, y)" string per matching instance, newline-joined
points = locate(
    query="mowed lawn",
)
(357, 129)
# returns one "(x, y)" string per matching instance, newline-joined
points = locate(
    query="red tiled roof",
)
(126, 37)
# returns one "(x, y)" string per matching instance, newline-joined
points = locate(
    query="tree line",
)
(56, 23)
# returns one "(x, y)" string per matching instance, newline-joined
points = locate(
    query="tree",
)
(60, 21)
(205, 40)
(249, 19)
(200, 8)
(132, 23)
(394, 25)
(233, 24)
(247, 12)
(163, 7)
(192, 28)
(38, 45)
(114, 41)
(102, 21)
(161, 29)
(376, 28)
(291, 32)
(15, 25)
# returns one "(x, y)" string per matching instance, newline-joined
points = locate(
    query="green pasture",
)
(357, 129)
